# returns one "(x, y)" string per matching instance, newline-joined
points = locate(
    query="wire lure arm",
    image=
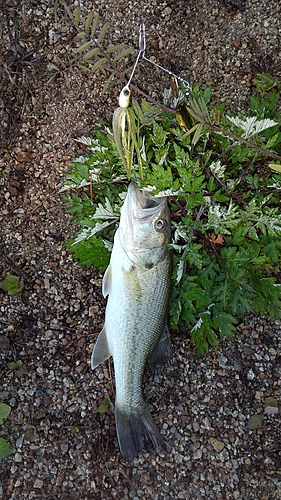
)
(142, 44)
(142, 47)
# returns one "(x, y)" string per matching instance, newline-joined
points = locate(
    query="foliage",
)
(5, 411)
(225, 204)
(106, 406)
(5, 448)
(12, 284)
(18, 367)
(91, 53)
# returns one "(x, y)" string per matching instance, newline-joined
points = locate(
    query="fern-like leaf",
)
(77, 14)
(103, 32)
(84, 46)
(89, 20)
(95, 25)
(90, 54)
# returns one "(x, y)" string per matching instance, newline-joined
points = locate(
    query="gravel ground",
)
(64, 448)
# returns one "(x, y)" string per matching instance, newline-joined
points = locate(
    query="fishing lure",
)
(125, 129)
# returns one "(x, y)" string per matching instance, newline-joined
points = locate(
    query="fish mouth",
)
(144, 200)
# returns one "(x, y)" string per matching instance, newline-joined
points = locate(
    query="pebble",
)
(38, 484)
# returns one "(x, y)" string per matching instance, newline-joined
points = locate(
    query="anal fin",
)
(101, 350)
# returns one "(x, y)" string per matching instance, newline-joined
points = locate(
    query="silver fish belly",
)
(137, 283)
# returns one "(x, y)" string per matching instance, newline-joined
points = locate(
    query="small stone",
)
(18, 457)
(250, 375)
(259, 395)
(64, 447)
(197, 454)
(196, 426)
(38, 484)
(222, 361)
(216, 444)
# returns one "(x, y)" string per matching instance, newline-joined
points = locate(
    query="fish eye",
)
(160, 225)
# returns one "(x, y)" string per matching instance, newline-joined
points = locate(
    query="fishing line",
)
(141, 50)
(142, 47)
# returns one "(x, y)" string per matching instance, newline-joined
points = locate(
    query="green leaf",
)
(12, 284)
(264, 82)
(95, 25)
(102, 408)
(5, 449)
(198, 132)
(105, 87)
(77, 14)
(275, 166)
(84, 46)
(255, 421)
(106, 406)
(91, 252)
(74, 430)
(99, 64)
(89, 20)
(5, 411)
(91, 54)
(270, 401)
(224, 321)
(82, 34)
(115, 48)
(123, 54)
(103, 32)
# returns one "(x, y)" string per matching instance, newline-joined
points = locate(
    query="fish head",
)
(144, 229)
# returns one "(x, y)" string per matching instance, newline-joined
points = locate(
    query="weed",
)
(12, 284)
(5, 448)
(106, 406)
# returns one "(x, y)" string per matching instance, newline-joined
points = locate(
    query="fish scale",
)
(146, 331)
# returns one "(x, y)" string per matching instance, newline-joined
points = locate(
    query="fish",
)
(137, 283)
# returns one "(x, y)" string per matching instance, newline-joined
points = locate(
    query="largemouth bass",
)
(137, 283)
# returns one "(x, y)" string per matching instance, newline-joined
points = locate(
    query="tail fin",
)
(136, 428)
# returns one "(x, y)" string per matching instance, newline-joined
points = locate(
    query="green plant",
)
(12, 284)
(91, 54)
(106, 406)
(5, 448)
(5, 411)
(225, 204)
(270, 408)
(18, 367)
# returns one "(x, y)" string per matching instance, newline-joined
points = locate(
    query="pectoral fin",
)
(163, 349)
(101, 350)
